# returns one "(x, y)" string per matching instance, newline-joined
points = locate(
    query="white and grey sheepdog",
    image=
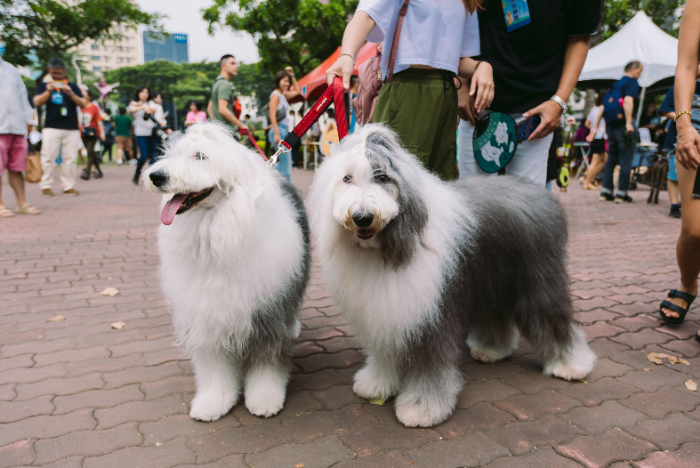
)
(235, 259)
(418, 266)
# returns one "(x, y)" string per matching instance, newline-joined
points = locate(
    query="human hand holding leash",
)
(550, 113)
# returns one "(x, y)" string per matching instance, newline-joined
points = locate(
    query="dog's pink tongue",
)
(170, 209)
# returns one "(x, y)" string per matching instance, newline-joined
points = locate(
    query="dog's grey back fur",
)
(511, 271)
(271, 338)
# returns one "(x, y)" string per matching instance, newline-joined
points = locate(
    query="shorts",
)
(672, 173)
(598, 146)
(125, 143)
(13, 153)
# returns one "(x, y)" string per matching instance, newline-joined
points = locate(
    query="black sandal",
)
(675, 308)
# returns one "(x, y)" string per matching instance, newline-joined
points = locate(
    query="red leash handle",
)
(334, 93)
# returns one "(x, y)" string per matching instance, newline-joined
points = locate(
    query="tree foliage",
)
(47, 28)
(662, 13)
(184, 82)
(299, 33)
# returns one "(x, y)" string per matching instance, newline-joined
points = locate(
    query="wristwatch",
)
(559, 101)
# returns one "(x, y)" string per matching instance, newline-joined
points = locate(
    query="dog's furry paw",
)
(576, 364)
(488, 354)
(265, 402)
(427, 413)
(210, 407)
(370, 383)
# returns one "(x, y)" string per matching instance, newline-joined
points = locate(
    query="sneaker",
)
(85, 176)
(71, 192)
(606, 197)
(675, 211)
(97, 175)
(623, 199)
(47, 192)
(132, 162)
(120, 161)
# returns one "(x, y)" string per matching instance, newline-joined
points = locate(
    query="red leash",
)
(255, 143)
(334, 93)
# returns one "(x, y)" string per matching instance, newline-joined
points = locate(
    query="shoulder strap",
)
(395, 42)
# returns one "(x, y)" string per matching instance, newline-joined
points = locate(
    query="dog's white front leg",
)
(266, 388)
(218, 384)
(379, 378)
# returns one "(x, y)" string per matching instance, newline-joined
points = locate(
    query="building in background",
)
(101, 57)
(172, 48)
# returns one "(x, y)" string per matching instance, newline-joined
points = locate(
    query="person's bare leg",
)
(17, 184)
(673, 191)
(688, 245)
(597, 165)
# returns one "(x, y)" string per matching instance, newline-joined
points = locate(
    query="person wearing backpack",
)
(618, 110)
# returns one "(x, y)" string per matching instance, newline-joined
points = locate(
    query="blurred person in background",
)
(60, 133)
(141, 108)
(196, 114)
(597, 138)
(91, 130)
(16, 122)
(286, 88)
(122, 126)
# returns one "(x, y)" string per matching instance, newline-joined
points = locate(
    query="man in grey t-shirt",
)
(222, 96)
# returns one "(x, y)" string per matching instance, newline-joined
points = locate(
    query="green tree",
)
(299, 33)
(47, 28)
(177, 82)
(662, 12)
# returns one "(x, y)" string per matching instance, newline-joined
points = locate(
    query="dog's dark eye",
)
(382, 178)
(347, 179)
(200, 156)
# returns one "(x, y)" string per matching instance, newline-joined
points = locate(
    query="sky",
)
(185, 17)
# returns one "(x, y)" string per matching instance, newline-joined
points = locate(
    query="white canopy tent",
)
(640, 39)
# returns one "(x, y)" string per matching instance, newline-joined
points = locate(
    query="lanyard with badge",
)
(57, 97)
(516, 13)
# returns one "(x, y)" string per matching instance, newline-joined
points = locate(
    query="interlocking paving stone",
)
(593, 393)
(521, 437)
(687, 456)
(541, 457)
(87, 443)
(164, 456)
(659, 404)
(668, 433)
(16, 454)
(599, 451)
(526, 407)
(471, 450)
(595, 419)
(321, 453)
(63, 383)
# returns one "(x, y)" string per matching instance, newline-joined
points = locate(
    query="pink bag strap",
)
(395, 42)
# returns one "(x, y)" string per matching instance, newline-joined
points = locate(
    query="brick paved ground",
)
(76, 393)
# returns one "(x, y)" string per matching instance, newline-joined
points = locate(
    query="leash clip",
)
(283, 149)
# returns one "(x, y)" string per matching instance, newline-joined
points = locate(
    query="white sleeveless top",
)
(436, 33)
(284, 103)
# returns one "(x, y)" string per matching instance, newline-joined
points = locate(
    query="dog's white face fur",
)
(201, 169)
(365, 193)
(369, 195)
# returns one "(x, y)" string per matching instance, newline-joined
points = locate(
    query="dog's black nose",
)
(159, 178)
(363, 220)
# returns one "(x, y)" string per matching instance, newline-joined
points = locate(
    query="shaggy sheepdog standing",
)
(418, 266)
(235, 252)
